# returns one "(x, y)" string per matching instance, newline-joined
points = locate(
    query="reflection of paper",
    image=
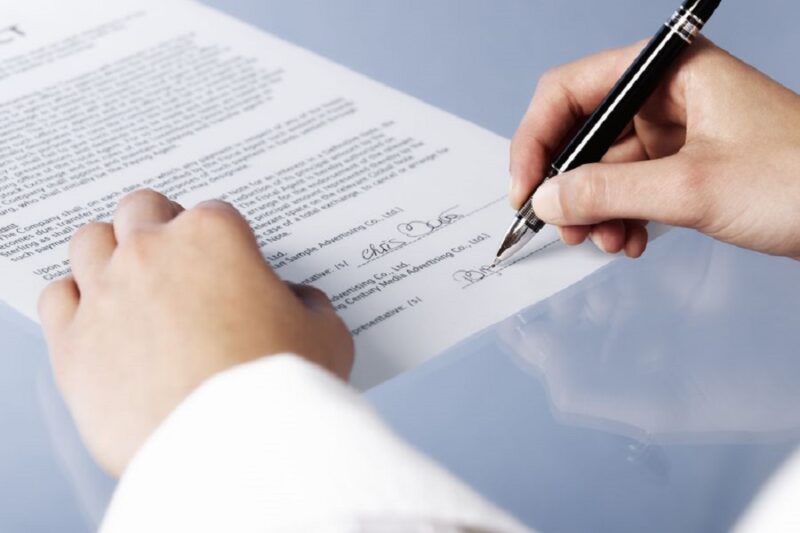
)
(391, 206)
(704, 354)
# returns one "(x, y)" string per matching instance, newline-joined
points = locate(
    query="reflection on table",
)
(656, 395)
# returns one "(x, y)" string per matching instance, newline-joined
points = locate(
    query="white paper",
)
(391, 206)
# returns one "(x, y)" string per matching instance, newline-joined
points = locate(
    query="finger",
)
(568, 94)
(563, 98)
(661, 140)
(669, 190)
(142, 210)
(225, 212)
(627, 150)
(217, 224)
(339, 346)
(220, 205)
(328, 325)
(609, 236)
(636, 242)
(574, 235)
(58, 303)
(178, 207)
(90, 250)
(313, 298)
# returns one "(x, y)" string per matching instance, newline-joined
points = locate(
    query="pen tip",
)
(495, 262)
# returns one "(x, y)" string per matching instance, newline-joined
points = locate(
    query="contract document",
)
(392, 207)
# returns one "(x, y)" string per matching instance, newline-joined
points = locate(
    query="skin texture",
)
(162, 300)
(716, 148)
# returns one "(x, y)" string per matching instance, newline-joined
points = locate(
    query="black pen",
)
(609, 120)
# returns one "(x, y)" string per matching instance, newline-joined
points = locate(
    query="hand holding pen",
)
(614, 113)
(716, 148)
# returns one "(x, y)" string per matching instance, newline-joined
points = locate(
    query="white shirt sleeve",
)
(777, 508)
(281, 445)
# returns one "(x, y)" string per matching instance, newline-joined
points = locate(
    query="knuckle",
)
(550, 78)
(139, 246)
(214, 221)
(88, 232)
(141, 196)
(205, 216)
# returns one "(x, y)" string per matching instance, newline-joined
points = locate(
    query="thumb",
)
(664, 190)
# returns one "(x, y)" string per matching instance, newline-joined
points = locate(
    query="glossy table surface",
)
(655, 395)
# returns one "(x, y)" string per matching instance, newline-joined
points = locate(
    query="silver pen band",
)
(686, 25)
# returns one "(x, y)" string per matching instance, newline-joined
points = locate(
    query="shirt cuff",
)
(281, 444)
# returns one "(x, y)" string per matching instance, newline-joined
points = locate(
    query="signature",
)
(410, 232)
(373, 251)
(420, 228)
(473, 276)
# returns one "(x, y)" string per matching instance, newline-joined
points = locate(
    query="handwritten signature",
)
(375, 250)
(410, 232)
(473, 276)
(420, 228)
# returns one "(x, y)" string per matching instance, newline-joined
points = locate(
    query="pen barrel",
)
(617, 110)
(606, 124)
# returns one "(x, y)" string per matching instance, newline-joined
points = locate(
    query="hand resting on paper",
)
(161, 300)
(716, 148)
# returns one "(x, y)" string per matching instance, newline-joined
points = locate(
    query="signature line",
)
(437, 230)
(498, 271)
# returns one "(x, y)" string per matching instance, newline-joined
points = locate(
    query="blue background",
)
(656, 395)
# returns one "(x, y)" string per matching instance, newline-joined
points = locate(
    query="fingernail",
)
(311, 297)
(597, 242)
(216, 204)
(546, 203)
